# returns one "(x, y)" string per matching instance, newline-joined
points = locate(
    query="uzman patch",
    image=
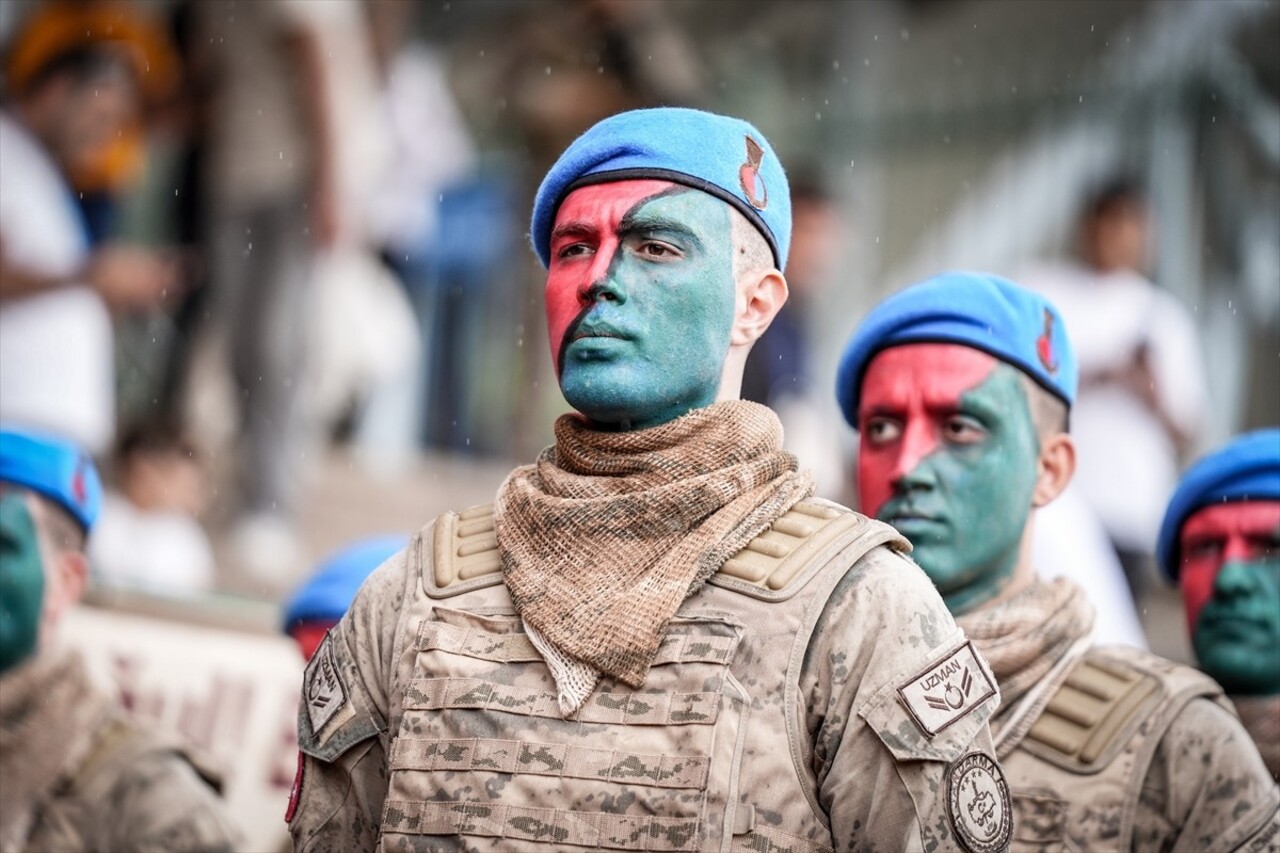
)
(947, 690)
(323, 690)
(978, 804)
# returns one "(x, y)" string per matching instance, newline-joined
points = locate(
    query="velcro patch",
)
(323, 690)
(947, 690)
(978, 804)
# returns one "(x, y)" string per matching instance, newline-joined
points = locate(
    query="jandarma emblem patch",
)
(948, 690)
(324, 692)
(749, 176)
(978, 804)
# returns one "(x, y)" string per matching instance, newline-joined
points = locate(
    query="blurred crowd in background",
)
(266, 259)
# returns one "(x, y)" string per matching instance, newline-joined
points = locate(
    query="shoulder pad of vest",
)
(775, 560)
(1100, 704)
(464, 552)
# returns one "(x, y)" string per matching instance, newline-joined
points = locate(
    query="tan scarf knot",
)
(607, 533)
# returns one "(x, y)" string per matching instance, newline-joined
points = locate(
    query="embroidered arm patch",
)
(978, 804)
(323, 692)
(332, 713)
(947, 690)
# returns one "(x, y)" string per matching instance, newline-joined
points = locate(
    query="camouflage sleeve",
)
(897, 704)
(160, 803)
(1207, 787)
(336, 802)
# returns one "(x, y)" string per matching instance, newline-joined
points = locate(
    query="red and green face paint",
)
(640, 300)
(1230, 579)
(949, 457)
(21, 580)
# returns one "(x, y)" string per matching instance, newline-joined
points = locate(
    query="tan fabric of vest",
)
(677, 748)
(715, 752)
(1064, 804)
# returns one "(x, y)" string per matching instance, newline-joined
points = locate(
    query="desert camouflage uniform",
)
(78, 775)
(772, 719)
(1124, 750)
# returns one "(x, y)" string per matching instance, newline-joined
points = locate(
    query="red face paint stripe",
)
(908, 384)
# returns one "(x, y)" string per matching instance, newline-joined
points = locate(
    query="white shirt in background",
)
(1127, 462)
(165, 551)
(56, 359)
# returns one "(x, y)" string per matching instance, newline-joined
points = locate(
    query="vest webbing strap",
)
(517, 648)
(557, 827)
(765, 839)
(549, 759)
(628, 709)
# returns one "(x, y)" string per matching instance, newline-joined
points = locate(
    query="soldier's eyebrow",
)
(573, 228)
(640, 223)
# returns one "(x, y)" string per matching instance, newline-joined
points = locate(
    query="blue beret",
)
(1246, 469)
(54, 468)
(330, 591)
(976, 310)
(726, 157)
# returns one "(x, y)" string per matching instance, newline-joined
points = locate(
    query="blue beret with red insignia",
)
(54, 468)
(328, 593)
(973, 309)
(726, 157)
(1246, 469)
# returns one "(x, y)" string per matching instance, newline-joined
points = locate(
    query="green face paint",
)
(21, 581)
(640, 300)
(948, 457)
(1230, 580)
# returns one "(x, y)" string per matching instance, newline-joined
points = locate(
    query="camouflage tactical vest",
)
(1077, 775)
(705, 749)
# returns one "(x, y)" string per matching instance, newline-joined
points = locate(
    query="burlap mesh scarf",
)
(608, 532)
(1024, 638)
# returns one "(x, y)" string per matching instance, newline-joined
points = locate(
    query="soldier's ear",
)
(1054, 468)
(761, 295)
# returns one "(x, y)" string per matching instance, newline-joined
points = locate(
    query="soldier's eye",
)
(572, 250)
(654, 250)
(882, 430)
(961, 429)
(1202, 548)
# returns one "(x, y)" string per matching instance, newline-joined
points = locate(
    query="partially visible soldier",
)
(323, 599)
(77, 773)
(960, 388)
(1220, 542)
(655, 639)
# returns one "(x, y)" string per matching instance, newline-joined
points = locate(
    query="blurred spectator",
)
(148, 533)
(56, 366)
(779, 371)
(1142, 383)
(319, 603)
(57, 26)
(79, 774)
(292, 146)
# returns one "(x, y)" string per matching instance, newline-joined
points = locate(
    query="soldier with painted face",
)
(960, 388)
(1220, 542)
(655, 639)
(77, 773)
